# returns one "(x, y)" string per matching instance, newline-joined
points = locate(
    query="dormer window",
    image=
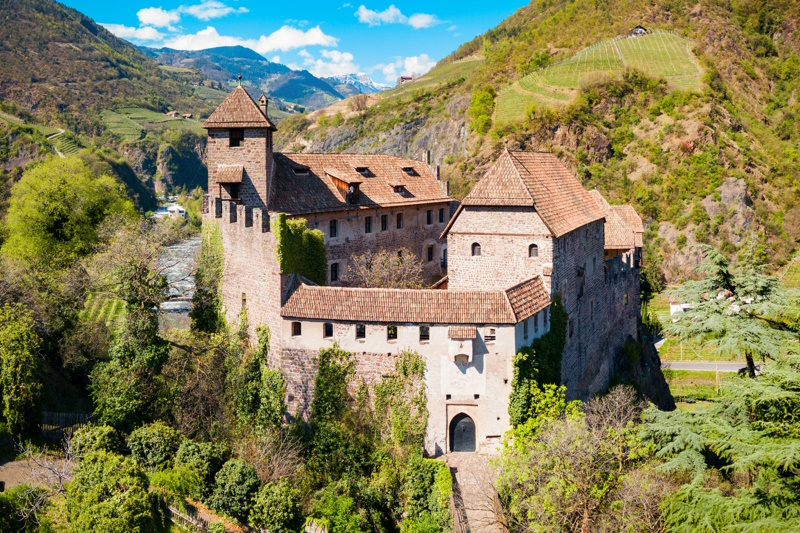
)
(364, 171)
(301, 170)
(399, 189)
(410, 171)
(352, 193)
(235, 137)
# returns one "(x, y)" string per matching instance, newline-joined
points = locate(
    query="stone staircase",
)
(474, 504)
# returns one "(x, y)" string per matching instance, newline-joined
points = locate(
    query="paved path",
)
(475, 478)
(703, 365)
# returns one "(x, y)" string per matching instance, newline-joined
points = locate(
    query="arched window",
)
(476, 248)
(533, 251)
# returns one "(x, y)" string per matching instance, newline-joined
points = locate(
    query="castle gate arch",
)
(462, 433)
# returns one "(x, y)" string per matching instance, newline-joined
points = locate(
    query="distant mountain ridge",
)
(223, 65)
(360, 82)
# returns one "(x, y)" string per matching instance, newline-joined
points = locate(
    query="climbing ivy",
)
(301, 250)
(537, 365)
(206, 313)
(401, 408)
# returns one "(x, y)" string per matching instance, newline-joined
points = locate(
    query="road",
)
(703, 365)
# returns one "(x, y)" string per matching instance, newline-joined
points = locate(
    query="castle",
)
(526, 232)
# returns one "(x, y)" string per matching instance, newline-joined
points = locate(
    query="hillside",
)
(222, 65)
(694, 123)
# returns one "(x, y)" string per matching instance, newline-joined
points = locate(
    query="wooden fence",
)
(57, 425)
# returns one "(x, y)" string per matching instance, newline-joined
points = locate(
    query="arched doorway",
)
(462, 434)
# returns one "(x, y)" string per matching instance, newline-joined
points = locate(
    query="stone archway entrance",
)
(462, 434)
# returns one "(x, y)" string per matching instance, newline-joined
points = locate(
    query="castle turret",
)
(240, 150)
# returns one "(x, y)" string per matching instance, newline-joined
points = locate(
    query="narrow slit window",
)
(429, 217)
(441, 216)
(361, 331)
(334, 228)
(424, 333)
(334, 271)
(368, 225)
(399, 220)
(430, 254)
(384, 222)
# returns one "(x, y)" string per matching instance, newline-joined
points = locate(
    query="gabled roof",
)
(315, 191)
(538, 180)
(623, 228)
(238, 110)
(422, 306)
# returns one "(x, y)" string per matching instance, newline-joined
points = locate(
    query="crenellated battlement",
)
(228, 211)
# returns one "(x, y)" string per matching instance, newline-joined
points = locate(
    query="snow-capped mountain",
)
(360, 82)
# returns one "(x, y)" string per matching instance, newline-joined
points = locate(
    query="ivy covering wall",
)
(301, 250)
(537, 365)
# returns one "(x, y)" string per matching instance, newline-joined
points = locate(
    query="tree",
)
(56, 208)
(19, 368)
(109, 493)
(392, 270)
(236, 486)
(358, 103)
(735, 311)
(153, 446)
(277, 508)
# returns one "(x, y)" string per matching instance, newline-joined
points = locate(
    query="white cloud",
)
(145, 33)
(275, 59)
(287, 38)
(339, 63)
(416, 65)
(211, 9)
(452, 28)
(392, 15)
(284, 39)
(158, 17)
(423, 20)
(303, 53)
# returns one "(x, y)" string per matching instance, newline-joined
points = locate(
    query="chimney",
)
(263, 102)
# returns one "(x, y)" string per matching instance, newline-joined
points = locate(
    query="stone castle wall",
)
(255, 155)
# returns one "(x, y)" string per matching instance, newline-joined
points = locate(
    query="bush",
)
(11, 503)
(180, 480)
(93, 438)
(337, 513)
(154, 446)
(276, 508)
(109, 493)
(202, 458)
(236, 485)
(426, 489)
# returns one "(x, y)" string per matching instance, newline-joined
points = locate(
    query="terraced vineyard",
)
(792, 276)
(658, 54)
(104, 310)
(132, 123)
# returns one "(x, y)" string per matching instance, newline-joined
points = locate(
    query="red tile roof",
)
(229, 173)
(354, 304)
(623, 227)
(315, 192)
(238, 110)
(538, 180)
(462, 332)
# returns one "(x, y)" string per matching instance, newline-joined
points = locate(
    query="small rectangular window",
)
(334, 271)
(525, 329)
(536, 322)
(361, 331)
(236, 137)
(429, 217)
(384, 222)
(297, 329)
(441, 216)
(391, 333)
(424, 333)
(334, 228)
(368, 225)
(399, 220)
(430, 254)
(544, 319)
(327, 330)
(490, 335)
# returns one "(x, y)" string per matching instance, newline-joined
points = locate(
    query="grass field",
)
(659, 54)
(214, 96)
(437, 76)
(132, 123)
(104, 310)
(689, 385)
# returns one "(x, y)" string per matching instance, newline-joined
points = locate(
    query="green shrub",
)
(180, 480)
(421, 524)
(109, 493)
(92, 438)
(236, 485)
(202, 458)
(153, 446)
(11, 503)
(337, 513)
(216, 527)
(276, 508)
(426, 492)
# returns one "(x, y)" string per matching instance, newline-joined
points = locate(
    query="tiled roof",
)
(238, 110)
(528, 298)
(353, 304)
(314, 191)
(462, 332)
(537, 179)
(621, 225)
(229, 173)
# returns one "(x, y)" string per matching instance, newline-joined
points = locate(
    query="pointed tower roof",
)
(538, 180)
(238, 111)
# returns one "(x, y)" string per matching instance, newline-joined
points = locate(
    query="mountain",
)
(223, 65)
(694, 122)
(350, 84)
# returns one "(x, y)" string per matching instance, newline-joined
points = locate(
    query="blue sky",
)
(382, 39)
